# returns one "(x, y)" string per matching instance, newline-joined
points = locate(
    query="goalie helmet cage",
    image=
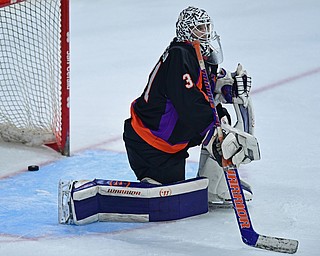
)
(34, 72)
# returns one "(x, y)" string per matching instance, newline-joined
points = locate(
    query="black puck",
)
(33, 168)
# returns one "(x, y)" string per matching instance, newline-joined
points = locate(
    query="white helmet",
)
(195, 24)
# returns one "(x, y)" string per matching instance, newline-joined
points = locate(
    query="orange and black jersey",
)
(173, 112)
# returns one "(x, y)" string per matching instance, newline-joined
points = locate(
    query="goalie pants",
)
(147, 161)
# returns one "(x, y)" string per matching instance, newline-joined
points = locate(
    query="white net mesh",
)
(30, 72)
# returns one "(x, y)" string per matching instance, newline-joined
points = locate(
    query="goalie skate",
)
(64, 204)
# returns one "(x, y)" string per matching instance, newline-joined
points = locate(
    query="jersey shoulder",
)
(185, 49)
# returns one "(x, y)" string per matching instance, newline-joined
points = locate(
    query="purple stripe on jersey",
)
(167, 122)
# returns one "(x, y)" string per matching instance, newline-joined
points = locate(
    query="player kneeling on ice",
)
(173, 114)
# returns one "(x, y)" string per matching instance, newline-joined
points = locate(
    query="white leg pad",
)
(217, 189)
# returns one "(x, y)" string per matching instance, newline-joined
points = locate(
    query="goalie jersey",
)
(173, 112)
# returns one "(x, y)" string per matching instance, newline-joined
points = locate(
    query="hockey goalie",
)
(173, 114)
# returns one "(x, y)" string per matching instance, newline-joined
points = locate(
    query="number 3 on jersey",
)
(186, 77)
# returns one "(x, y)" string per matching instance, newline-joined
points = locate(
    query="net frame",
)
(57, 136)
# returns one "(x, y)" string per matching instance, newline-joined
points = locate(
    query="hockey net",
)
(34, 72)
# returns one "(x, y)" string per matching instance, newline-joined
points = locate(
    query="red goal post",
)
(35, 73)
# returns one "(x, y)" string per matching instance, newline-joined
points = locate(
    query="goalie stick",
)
(248, 234)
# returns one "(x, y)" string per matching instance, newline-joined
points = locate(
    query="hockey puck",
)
(33, 168)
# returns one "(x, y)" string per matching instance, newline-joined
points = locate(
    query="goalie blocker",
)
(83, 202)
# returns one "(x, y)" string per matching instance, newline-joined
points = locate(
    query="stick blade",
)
(277, 244)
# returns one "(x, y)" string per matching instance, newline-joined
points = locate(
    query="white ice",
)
(114, 46)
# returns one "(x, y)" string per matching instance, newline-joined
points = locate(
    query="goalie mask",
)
(195, 24)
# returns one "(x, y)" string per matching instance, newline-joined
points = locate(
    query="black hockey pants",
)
(147, 161)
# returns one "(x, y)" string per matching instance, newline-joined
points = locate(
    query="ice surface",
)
(114, 46)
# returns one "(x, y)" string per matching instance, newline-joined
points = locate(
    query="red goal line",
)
(286, 80)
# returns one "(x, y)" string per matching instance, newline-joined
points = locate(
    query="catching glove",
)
(223, 87)
(233, 87)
